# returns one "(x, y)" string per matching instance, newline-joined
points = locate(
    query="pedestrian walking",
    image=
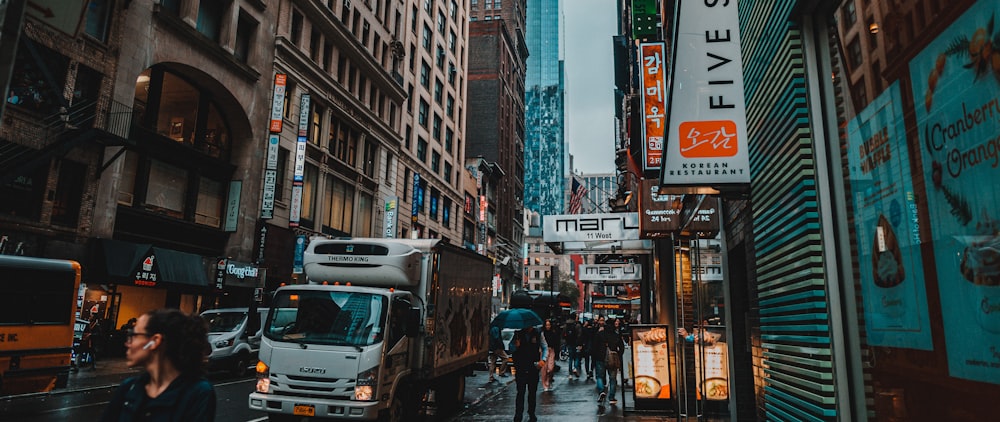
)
(496, 352)
(171, 346)
(606, 341)
(571, 337)
(552, 341)
(529, 347)
(586, 340)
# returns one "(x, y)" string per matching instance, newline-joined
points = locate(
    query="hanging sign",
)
(706, 138)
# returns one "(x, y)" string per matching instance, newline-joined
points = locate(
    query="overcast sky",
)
(588, 27)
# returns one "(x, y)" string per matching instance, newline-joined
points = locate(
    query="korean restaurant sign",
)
(278, 103)
(653, 102)
(706, 141)
(591, 227)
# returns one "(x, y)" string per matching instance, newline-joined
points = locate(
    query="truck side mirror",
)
(412, 328)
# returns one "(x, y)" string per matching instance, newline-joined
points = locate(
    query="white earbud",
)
(149, 345)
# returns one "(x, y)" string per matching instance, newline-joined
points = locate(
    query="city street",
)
(89, 390)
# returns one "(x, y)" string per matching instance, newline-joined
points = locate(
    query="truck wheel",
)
(451, 394)
(403, 406)
(240, 364)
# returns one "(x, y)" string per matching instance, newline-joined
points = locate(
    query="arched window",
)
(174, 108)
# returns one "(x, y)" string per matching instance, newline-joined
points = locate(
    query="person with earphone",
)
(171, 346)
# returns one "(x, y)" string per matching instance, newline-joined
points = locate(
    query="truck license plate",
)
(304, 410)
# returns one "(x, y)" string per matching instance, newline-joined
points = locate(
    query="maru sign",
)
(706, 140)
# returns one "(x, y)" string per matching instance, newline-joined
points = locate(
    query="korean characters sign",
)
(653, 102)
(706, 140)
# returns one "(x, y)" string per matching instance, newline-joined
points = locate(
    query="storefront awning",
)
(146, 265)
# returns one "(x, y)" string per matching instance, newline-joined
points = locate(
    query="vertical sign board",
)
(300, 162)
(653, 103)
(233, 205)
(651, 366)
(278, 103)
(270, 177)
(415, 201)
(390, 217)
(706, 138)
(271, 165)
(300, 248)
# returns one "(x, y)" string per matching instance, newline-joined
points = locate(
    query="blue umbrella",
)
(517, 319)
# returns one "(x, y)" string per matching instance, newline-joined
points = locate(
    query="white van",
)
(235, 340)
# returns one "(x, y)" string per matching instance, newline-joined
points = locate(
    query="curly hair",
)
(185, 338)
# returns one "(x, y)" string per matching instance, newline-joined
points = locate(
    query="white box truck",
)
(385, 329)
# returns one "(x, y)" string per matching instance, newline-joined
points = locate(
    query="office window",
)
(296, 33)
(439, 60)
(449, 107)
(850, 13)
(413, 19)
(436, 129)
(210, 15)
(315, 123)
(453, 10)
(422, 113)
(428, 5)
(426, 39)
(435, 161)
(314, 44)
(370, 158)
(452, 71)
(449, 136)
(97, 19)
(339, 211)
(438, 91)
(406, 185)
(441, 22)
(854, 54)
(68, 196)
(447, 172)
(452, 40)
(167, 189)
(422, 149)
(310, 184)
(425, 74)
(435, 196)
(246, 30)
(211, 199)
(364, 228)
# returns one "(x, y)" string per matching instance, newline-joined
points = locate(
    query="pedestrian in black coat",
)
(529, 346)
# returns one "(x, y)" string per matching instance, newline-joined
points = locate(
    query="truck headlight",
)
(263, 378)
(365, 386)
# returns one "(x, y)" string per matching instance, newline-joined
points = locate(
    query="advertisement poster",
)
(885, 226)
(711, 366)
(650, 362)
(956, 91)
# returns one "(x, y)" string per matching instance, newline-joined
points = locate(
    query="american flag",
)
(576, 196)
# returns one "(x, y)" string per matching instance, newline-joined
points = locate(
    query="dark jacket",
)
(552, 338)
(571, 335)
(529, 349)
(604, 340)
(587, 338)
(187, 399)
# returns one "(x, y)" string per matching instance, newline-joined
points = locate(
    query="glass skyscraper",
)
(544, 147)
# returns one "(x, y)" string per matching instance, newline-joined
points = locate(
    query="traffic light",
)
(621, 159)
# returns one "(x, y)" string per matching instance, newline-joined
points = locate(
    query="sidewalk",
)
(108, 372)
(570, 400)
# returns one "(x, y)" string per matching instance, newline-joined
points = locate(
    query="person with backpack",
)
(606, 349)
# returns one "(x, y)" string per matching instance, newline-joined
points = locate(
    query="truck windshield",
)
(331, 318)
(223, 322)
